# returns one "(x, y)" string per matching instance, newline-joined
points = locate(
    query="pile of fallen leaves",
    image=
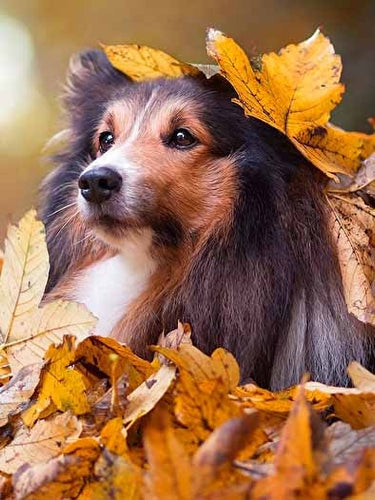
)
(81, 416)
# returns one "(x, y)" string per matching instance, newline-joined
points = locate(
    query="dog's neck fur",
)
(109, 286)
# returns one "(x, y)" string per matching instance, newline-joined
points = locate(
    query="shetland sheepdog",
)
(168, 204)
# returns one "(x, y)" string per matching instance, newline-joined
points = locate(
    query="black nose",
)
(98, 185)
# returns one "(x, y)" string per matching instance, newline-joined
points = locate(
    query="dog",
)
(167, 203)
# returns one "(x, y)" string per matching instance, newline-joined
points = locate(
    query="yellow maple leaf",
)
(202, 400)
(139, 62)
(26, 329)
(62, 386)
(295, 91)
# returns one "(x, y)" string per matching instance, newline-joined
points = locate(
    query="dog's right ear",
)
(90, 82)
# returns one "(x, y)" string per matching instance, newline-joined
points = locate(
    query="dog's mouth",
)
(106, 222)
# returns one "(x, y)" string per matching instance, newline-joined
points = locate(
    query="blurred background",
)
(37, 38)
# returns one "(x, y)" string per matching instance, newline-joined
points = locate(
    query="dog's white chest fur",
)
(109, 286)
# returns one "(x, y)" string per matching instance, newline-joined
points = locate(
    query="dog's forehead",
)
(154, 106)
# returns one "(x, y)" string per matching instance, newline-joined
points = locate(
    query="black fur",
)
(269, 289)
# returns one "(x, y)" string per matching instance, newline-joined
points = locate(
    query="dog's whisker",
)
(66, 223)
(88, 236)
(61, 209)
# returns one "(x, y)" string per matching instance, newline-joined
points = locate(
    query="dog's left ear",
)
(91, 80)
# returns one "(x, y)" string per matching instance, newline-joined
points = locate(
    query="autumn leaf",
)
(351, 405)
(116, 476)
(295, 91)
(170, 471)
(16, 393)
(295, 462)
(24, 274)
(173, 339)
(37, 445)
(61, 477)
(202, 390)
(144, 398)
(213, 461)
(97, 352)
(27, 330)
(62, 386)
(139, 62)
(344, 442)
(353, 231)
(361, 378)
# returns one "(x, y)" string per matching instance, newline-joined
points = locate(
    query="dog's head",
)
(163, 155)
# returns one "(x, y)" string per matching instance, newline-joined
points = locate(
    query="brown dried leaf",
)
(37, 445)
(182, 335)
(213, 461)
(61, 477)
(97, 352)
(16, 393)
(344, 442)
(353, 229)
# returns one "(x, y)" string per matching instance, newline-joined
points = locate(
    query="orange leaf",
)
(139, 62)
(295, 91)
(170, 472)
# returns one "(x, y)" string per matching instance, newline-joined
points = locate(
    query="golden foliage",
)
(27, 330)
(295, 92)
(84, 417)
(144, 63)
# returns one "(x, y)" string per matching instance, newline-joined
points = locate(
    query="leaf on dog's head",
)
(295, 91)
(27, 330)
(139, 62)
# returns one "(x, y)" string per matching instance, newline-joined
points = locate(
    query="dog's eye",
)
(106, 140)
(182, 139)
